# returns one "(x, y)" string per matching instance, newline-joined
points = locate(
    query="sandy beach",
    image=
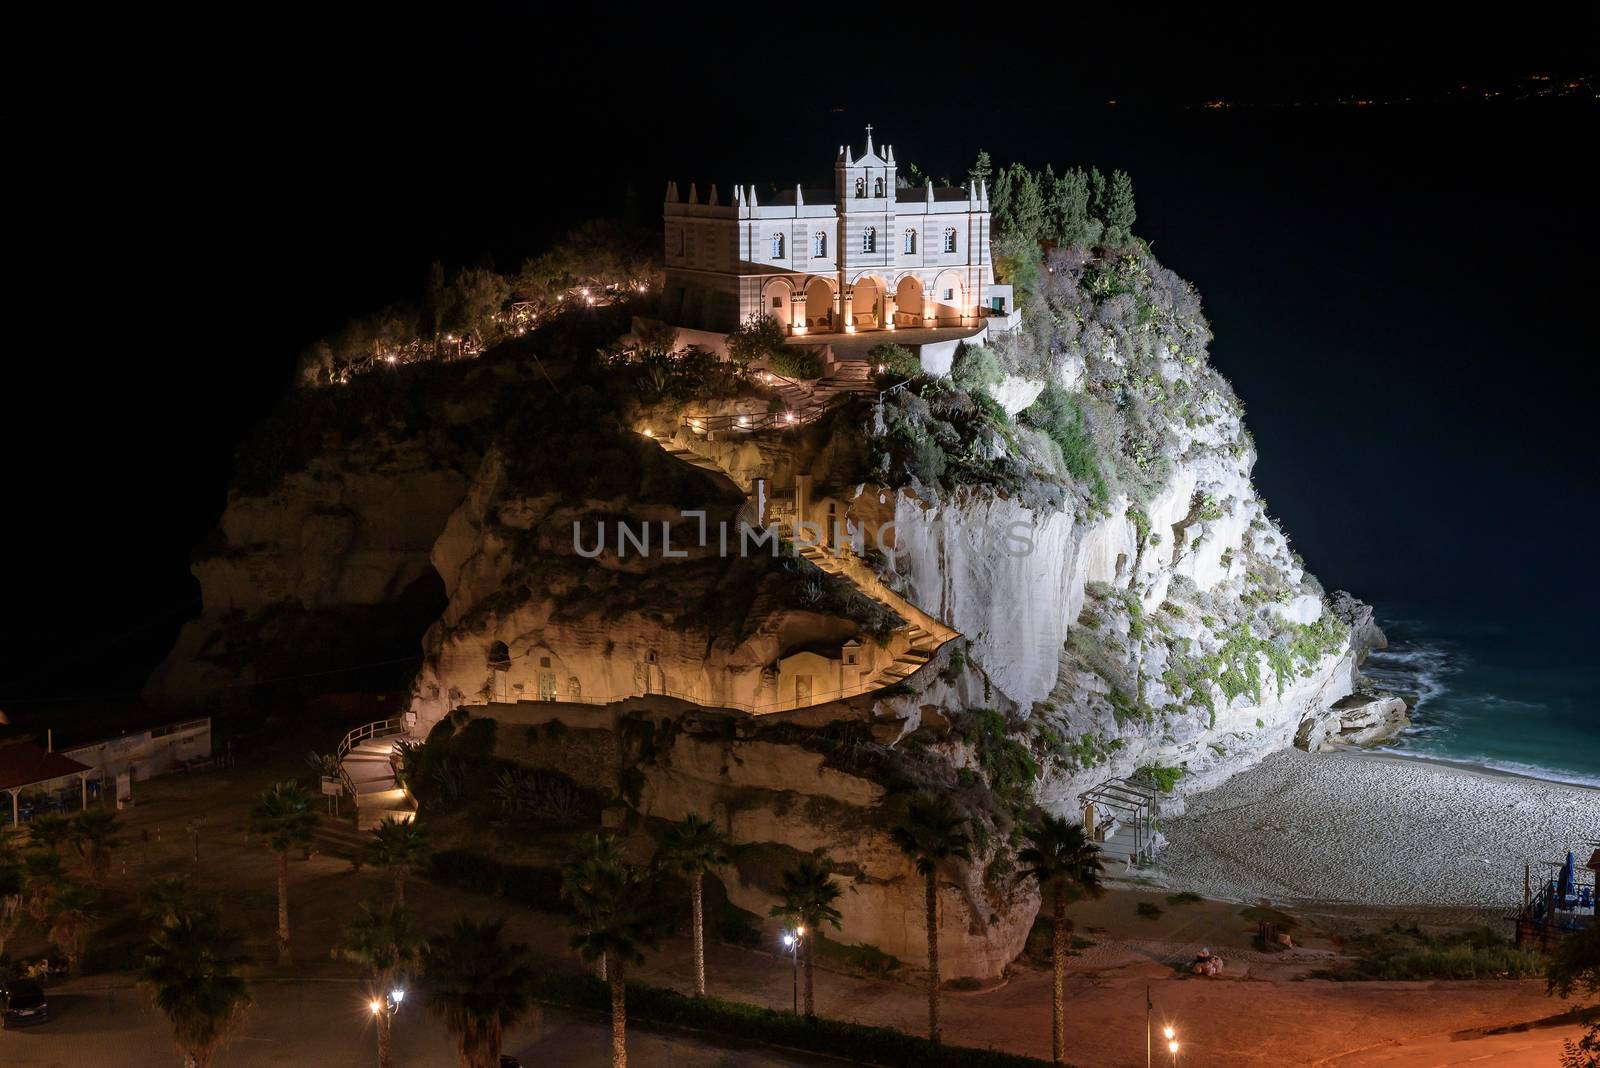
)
(1375, 829)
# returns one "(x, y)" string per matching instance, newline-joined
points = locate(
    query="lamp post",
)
(791, 940)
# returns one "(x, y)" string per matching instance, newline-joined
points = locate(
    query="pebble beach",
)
(1374, 829)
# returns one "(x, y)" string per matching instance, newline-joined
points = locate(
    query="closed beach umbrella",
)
(1568, 871)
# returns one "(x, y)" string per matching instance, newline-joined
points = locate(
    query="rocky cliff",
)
(1075, 502)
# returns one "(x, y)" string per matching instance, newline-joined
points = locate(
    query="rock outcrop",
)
(1125, 603)
(1358, 719)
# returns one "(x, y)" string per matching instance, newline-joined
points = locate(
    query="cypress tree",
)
(1120, 211)
(1069, 207)
(1027, 207)
(982, 168)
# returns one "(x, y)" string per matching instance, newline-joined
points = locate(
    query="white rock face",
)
(1015, 393)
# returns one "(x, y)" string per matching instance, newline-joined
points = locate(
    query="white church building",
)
(864, 255)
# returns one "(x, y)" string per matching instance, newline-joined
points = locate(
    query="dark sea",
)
(1495, 695)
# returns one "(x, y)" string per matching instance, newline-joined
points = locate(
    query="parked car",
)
(22, 1002)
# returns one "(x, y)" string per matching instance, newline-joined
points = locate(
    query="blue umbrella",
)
(1564, 884)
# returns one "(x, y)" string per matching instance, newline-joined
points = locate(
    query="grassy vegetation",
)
(1162, 778)
(1148, 910)
(1007, 763)
(1184, 897)
(1396, 952)
(857, 1043)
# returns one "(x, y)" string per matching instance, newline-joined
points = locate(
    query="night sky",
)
(1403, 293)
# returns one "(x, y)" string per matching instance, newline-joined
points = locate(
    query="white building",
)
(865, 255)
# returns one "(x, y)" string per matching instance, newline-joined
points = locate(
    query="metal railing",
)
(753, 423)
(1133, 799)
(383, 728)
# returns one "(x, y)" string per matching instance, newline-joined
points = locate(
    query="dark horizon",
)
(1397, 290)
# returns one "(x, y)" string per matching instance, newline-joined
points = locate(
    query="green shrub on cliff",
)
(897, 361)
(1061, 417)
(976, 368)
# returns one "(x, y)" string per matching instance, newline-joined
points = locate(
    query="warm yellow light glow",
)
(376, 1007)
(1169, 1033)
(788, 417)
(1172, 1047)
(649, 433)
(801, 931)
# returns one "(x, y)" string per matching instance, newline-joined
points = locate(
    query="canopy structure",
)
(24, 765)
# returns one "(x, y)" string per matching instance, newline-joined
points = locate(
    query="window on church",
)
(777, 246)
(819, 244)
(777, 302)
(877, 187)
(950, 239)
(861, 188)
(869, 239)
(910, 245)
(949, 295)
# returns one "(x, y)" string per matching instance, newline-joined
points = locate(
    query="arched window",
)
(499, 656)
(777, 246)
(869, 239)
(909, 247)
(950, 239)
(819, 245)
(861, 188)
(877, 187)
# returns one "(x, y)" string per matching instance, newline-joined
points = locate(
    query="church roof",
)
(786, 196)
(908, 194)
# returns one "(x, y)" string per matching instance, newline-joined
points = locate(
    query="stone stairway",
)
(369, 767)
(795, 395)
(693, 459)
(921, 645)
(849, 376)
(922, 634)
(1120, 846)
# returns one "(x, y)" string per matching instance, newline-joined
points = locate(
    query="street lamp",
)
(1172, 1047)
(791, 942)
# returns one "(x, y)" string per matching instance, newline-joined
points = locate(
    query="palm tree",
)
(189, 971)
(808, 894)
(691, 849)
(74, 914)
(401, 847)
(49, 830)
(13, 888)
(284, 818)
(167, 896)
(478, 985)
(1065, 864)
(933, 835)
(94, 833)
(617, 917)
(43, 873)
(386, 942)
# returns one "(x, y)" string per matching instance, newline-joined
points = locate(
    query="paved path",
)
(325, 1024)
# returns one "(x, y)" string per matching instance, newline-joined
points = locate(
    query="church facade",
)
(867, 254)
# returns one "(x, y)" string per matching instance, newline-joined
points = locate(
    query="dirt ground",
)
(1264, 1010)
